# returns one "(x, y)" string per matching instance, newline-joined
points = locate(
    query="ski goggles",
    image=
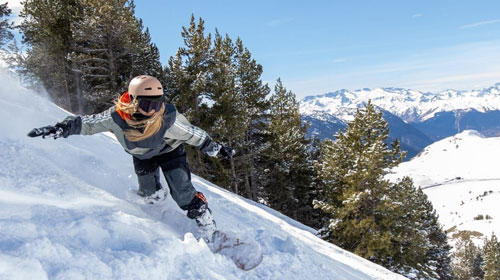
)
(149, 103)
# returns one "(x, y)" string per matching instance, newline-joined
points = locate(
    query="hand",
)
(63, 129)
(45, 131)
(226, 152)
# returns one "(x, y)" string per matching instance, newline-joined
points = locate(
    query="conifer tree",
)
(392, 224)
(188, 70)
(108, 39)
(290, 174)
(186, 78)
(465, 256)
(225, 119)
(85, 51)
(491, 251)
(147, 60)
(48, 37)
(5, 26)
(251, 108)
(352, 169)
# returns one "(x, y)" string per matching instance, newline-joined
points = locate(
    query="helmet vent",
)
(148, 88)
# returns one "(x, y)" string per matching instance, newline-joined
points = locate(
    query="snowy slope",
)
(409, 105)
(68, 211)
(461, 177)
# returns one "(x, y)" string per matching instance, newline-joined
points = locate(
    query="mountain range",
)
(416, 118)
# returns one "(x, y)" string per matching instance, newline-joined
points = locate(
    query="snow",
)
(409, 105)
(68, 210)
(460, 176)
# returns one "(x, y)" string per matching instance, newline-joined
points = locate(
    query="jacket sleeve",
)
(183, 130)
(90, 124)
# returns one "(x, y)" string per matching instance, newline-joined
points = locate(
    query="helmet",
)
(145, 85)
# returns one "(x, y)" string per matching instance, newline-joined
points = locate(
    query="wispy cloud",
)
(339, 60)
(461, 66)
(480, 23)
(417, 15)
(279, 21)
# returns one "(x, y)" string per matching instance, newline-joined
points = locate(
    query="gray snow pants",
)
(175, 168)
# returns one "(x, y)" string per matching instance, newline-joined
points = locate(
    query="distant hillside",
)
(460, 176)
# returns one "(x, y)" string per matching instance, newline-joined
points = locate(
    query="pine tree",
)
(466, 252)
(352, 169)
(108, 38)
(491, 265)
(477, 266)
(254, 105)
(5, 26)
(224, 119)
(84, 52)
(188, 70)
(186, 76)
(147, 59)
(392, 224)
(418, 233)
(290, 173)
(48, 37)
(438, 256)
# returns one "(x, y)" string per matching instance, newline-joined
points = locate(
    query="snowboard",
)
(245, 253)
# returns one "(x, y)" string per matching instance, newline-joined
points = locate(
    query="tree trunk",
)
(234, 179)
(248, 188)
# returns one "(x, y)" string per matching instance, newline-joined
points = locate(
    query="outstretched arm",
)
(182, 129)
(71, 125)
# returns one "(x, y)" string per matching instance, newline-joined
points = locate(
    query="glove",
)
(226, 152)
(215, 149)
(67, 127)
(45, 131)
(64, 129)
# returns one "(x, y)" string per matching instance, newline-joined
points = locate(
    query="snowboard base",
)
(245, 253)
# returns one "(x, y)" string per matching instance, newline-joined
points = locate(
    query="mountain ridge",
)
(410, 105)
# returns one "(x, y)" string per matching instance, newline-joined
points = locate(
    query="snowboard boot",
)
(203, 218)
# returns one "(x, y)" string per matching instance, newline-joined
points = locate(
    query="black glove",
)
(45, 131)
(226, 152)
(64, 129)
(67, 127)
(214, 149)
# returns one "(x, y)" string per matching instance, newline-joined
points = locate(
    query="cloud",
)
(339, 60)
(480, 23)
(16, 7)
(463, 66)
(417, 15)
(280, 21)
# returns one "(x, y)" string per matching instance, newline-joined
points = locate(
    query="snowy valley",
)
(68, 210)
(460, 176)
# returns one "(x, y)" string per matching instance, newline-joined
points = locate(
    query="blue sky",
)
(321, 46)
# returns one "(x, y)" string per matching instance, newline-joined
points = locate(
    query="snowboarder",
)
(154, 133)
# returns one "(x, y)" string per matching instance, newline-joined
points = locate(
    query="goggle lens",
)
(147, 104)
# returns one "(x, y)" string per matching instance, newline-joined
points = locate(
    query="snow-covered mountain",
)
(416, 118)
(460, 176)
(68, 210)
(410, 105)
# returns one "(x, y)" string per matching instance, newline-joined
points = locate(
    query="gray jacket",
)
(175, 130)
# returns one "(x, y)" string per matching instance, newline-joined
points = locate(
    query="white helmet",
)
(145, 85)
